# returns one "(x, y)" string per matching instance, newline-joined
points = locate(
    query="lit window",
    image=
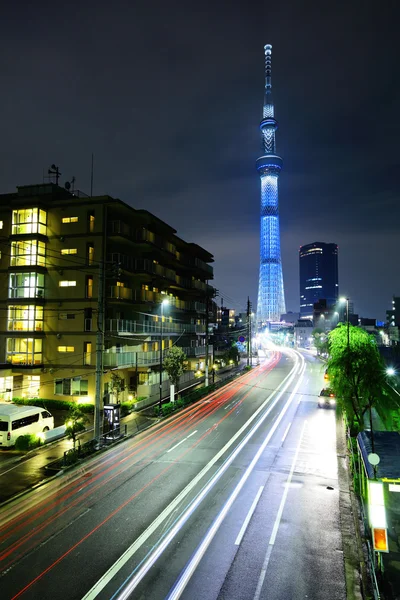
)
(29, 220)
(91, 221)
(87, 353)
(89, 286)
(26, 285)
(31, 386)
(66, 283)
(90, 253)
(25, 318)
(70, 219)
(71, 387)
(66, 348)
(24, 351)
(28, 252)
(1, 224)
(69, 251)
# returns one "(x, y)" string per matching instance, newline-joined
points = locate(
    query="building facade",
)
(56, 247)
(319, 277)
(271, 299)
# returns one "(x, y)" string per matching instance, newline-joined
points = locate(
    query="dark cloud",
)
(168, 95)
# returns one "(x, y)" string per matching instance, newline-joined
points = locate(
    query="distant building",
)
(302, 333)
(290, 317)
(318, 276)
(393, 321)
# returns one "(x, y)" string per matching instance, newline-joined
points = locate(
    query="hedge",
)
(27, 442)
(54, 404)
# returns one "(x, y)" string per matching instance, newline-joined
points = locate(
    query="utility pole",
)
(98, 406)
(207, 319)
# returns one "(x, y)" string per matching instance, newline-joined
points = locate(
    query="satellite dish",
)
(373, 459)
(67, 185)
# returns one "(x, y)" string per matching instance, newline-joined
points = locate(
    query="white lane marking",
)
(278, 519)
(286, 432)
(181, 442)
(248, 517)
(123, 559)
(176, 445)
(299, 400)
(180, 586)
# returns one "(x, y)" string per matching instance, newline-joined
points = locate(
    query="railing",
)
(119, 292)
(141, 265)
(111, 358)
(144, 235)
(151, 328)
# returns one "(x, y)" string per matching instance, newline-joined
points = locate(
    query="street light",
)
(341, 300)
(390, 371)
(163, 303)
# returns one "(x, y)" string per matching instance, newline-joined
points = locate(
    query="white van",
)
(21, 420)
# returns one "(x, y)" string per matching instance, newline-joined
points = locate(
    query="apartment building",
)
(55, 248)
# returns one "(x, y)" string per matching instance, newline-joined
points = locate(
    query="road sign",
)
(241, 339)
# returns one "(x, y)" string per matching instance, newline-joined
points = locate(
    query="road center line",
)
(278, 520)
(123, 559)
(248, 517)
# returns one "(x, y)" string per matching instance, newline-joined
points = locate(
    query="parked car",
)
(326, 398)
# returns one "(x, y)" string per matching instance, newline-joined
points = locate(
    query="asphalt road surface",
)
(235, 497)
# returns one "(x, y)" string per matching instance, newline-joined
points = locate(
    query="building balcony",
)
(141, 265)
(120, 293)
(111, 358)
(124, 326)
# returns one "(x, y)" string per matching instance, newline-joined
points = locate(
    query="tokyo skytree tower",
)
(271, 298)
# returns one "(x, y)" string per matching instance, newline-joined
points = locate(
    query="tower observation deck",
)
(271, 298)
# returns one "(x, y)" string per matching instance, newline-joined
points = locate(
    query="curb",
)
(355, 570)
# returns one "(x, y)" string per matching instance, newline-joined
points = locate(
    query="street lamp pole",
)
(348, 326)
(161, 349)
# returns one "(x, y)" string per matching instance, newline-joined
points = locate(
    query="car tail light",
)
(8, 436)
(331, 395)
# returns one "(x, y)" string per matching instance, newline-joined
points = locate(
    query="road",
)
(234, 497)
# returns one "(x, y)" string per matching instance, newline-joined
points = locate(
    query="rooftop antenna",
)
(54, 171)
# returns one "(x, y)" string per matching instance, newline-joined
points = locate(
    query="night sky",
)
(168, 96)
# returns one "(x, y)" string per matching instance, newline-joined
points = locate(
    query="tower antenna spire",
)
(271, 298)
(268, 68)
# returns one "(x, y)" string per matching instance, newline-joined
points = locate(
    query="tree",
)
(173, 364)
(357, 373)
(75, 422)
(320, 340)
(116, 384)
(232, 354)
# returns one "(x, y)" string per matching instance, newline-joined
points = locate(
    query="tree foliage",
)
(357, 373)
(116, 385)
(75, 422)
(232, 354)
(320, 340)
(173, 364)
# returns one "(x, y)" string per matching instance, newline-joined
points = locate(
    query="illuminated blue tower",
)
(271, 299)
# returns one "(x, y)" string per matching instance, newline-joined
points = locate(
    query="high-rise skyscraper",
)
(271, 299)
(318, 276)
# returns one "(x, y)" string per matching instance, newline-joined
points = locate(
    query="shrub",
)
(247, 368)
(168, 408)
(52, 404)
(27, 442)
(127, 407)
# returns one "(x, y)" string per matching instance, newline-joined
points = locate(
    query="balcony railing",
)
(141, 265)
(144, 235)
(152, 328)
(111, 358)
(119, 292)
